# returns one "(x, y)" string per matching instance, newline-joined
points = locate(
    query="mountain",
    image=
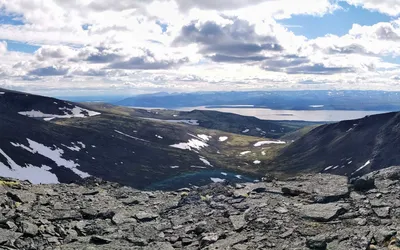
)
(312, 212)
(347, 148)
(281, 100)
(50, 140)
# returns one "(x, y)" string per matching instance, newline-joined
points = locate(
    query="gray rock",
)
(324, 188)
(159, 246)
(7, 235)
(382, 212)
(321, 212)
(29, 229)
(317, 242)
(100, 240)
(143, 216)
(237, 221)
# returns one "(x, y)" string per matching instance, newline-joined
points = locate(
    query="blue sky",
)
(130, 47)
(338, 23)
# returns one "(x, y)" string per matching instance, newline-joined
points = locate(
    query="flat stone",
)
(382, 212)
(29, 229)
(237, 221)
(20, 196)
(324, 188)
(7, 235)
(321, 212)
(144, 216)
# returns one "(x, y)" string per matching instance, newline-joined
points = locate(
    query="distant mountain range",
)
(293, 100)
(48, 140)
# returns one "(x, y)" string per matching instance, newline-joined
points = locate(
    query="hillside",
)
(311, 212)
(50, 140)
(228, 122)
(349, 148)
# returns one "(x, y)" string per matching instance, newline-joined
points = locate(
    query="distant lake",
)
(290, 115)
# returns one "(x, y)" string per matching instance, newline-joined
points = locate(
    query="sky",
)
(104, 47)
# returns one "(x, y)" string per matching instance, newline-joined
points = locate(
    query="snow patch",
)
(2, 93)
(204, 137)
(217, 180)
(205, 161)
(363, 166)
(260, 143)
(54, 155)
(256, 162)
(245, 152)
(36, 175)
(327, 168)
(121, 133)
(200, 167)
(76, 112)
(223, 173)
(246, 131)
(223, 138)
(263, 153)
(174, 167)
(238, 176)
(190, 145)
(159, 136)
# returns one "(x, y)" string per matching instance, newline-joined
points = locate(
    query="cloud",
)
(147, 63)
(3, 47)
(389, 7)
(49, 71)
(349, 49)
(232, 42)
(216, 5)
(50, 52)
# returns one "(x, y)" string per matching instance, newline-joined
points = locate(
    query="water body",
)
(200, 178)
(291, 115)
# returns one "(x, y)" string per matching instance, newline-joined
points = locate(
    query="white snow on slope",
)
(260, 143)
(77, 112)
(205, 161)
(256, 162)
(204, 137)
(223, 138)
(363, 166)
(81, 143)
(246, 131)
(173, 167)
(190, 145)
(200, 167)
(245, 152)
(238, 176)
(327, 168)
(2, 93)
(216, 180)
(36, 175)
(54, 155)
(223, 173)
(119, 132)
(159, 136)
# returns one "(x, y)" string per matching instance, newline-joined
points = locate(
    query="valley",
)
(47, 140)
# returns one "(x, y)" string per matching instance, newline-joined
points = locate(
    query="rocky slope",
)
(306, 212)
(351, 148)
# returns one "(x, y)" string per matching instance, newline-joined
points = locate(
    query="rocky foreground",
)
(306, 212)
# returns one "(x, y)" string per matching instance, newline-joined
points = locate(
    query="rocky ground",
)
(306, 212)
